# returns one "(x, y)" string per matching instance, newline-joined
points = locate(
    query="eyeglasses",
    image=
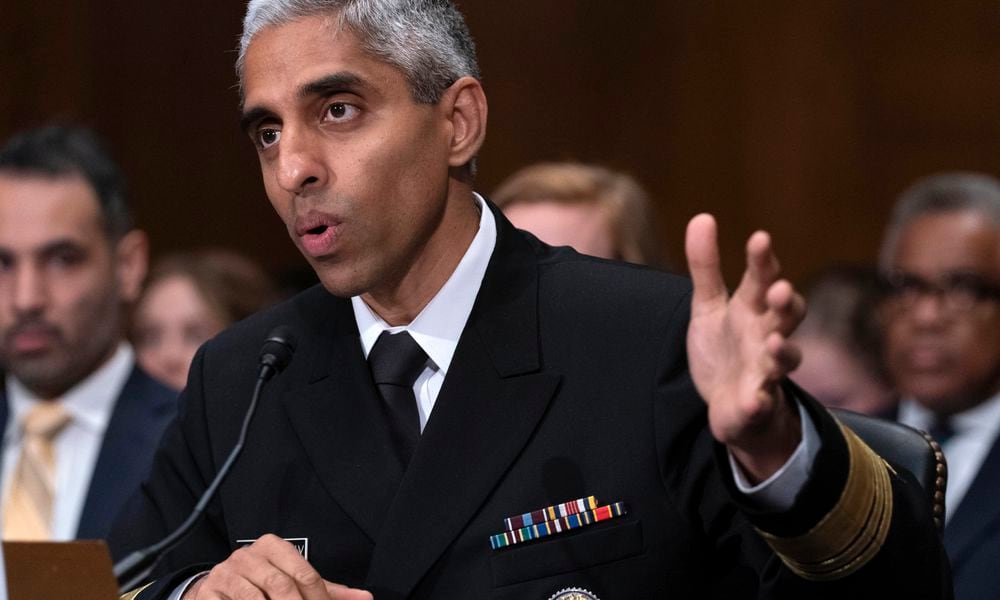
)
(958, 291)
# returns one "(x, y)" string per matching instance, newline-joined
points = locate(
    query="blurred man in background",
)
(842, 345)
(941, 260)
(80, 420)
(592, 209)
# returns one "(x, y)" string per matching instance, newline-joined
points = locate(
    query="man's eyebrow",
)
(332, 84)
(253, 115)
(324, 86)
(59, 246)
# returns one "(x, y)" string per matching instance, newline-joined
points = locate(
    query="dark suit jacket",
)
(141, 413)
(570, 379)
(972, 535)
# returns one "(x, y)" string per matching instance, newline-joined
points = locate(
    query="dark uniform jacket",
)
(972, 535)
(570, 380)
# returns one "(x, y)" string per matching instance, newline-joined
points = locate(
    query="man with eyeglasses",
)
(941, 263)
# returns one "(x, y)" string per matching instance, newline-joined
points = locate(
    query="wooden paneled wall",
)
(805, 118)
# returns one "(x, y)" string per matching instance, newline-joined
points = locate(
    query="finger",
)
(787, 307)
(702, 249)
(223, 582)
(342, 592)
(272, 581)
(784, 356)
(287, 573)
(762, 270)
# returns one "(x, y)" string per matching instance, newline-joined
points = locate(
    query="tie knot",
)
(396, 359)
(45, 419)
(942, 429)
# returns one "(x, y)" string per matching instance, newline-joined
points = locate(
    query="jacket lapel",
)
(335, 415)
(491, 402)
(125, 453)
(977, 509)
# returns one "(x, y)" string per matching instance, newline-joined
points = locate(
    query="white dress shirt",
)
(439, 325)
(89, 404)
(975, 432)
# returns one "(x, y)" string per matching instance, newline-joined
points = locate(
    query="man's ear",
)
(131, 263)
(465, 104)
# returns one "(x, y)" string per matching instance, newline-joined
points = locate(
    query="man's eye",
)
(268, 137)
(341, 111)
(66, 260)
(968, 285)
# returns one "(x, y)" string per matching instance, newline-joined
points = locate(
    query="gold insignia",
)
(853, 532)
(573, 594)
(134, 594)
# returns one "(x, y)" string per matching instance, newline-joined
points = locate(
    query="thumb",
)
(702, 249)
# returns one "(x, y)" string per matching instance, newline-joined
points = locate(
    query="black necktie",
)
(941, 430)
(396, 361)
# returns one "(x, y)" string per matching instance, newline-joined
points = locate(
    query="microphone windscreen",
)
(278, 348)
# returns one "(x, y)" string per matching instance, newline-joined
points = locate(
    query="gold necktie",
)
(28, 511)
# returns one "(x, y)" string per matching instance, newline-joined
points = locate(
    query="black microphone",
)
(275, 355)
(276, 352)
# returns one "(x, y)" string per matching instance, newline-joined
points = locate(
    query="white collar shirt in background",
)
(975, 433)
(90, 404)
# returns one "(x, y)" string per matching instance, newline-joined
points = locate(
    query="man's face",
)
(356, 169)
(59, 302)
(943, 348)
(838, 378)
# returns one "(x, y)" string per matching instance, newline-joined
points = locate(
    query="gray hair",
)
(942, 193)
(427, 40)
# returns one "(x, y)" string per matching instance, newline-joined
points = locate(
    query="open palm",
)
(738, 348)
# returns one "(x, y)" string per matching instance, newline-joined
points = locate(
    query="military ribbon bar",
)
(550, 513)
(554, 526)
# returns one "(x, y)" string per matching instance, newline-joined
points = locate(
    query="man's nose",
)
(30, 291)
(930, 309)
(299, 163)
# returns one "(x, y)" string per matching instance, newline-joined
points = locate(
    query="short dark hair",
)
(65, 150)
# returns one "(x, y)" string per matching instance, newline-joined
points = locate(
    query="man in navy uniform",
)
(453, 372)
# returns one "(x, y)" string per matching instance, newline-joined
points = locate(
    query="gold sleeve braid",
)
(853, 532)
(134, 594)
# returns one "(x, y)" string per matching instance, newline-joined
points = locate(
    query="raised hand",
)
(738, 349)
(269, 568)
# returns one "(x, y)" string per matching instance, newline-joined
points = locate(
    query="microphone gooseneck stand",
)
(132, 570)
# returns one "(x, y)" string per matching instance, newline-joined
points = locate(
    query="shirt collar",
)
(440, 324)
(89, 402)
(985, 415)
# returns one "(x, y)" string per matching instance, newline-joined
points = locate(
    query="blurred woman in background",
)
(188, 298)
(590, 208)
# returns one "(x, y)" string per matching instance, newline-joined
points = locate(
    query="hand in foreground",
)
(270, 568)
(738, 350)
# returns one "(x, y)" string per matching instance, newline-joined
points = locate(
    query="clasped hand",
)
(269, 569)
